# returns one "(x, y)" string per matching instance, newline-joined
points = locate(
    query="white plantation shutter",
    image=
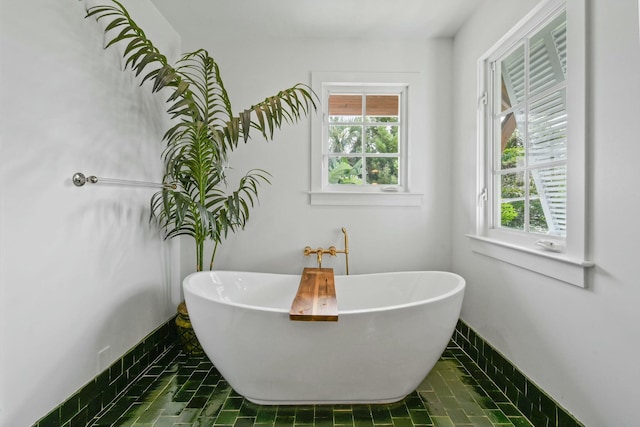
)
(534, 77)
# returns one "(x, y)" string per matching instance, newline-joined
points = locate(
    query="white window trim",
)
(570, 265)
(324, 194)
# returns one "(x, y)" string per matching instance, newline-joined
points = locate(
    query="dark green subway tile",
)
(81, 419)
(442, 421)
(520, 421)
(485, 402)
(399, 410)
(323, 422)
(524, 405)
(359, 422)
(165, 421)
(284, 421)
(134, 370)
(227, 417)
(233, 403)
(420, 417)
(197, 402)
(244, 422)
(449, 403)
(212, 407)
(69, 409)
(533, 393)
(184, 395)
(509, 409)
(304, 415)
(511, 392)
(197, 377)
(548, 406)
(538, 419)
(497, 396)
(458, 416)
(519, 381)
(472, 408)
(150, 416)
(413, 401)
(496, 416)
(266, 414)
(481, 422)
(343, 417)
(115, 370)
(174, 408)
(248, 409)
(566, 420)
(52, 419)
(364, 411)
(402, 422)
(324, 412)
(381, 414)
(433, 404)
(287, 410)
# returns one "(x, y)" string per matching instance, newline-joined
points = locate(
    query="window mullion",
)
(527, 111)
(363, 148)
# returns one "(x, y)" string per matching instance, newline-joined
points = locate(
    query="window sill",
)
(344, 198)
(556, 265)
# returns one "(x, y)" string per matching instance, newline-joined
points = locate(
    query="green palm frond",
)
(204, 134)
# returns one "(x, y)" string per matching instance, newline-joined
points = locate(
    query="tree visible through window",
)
(363, 130)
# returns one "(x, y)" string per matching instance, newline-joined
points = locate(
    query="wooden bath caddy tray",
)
(316, 297)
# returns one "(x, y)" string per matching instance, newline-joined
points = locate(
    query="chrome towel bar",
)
(79, 179)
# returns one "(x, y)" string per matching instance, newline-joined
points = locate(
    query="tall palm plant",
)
(197, 201)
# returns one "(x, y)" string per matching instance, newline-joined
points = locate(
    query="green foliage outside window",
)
(512, 212)
(347, 139)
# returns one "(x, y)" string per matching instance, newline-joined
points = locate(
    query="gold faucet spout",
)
(331, 251)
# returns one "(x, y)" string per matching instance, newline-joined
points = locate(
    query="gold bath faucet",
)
(331, 251)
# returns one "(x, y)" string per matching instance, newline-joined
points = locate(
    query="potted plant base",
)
(188, 339)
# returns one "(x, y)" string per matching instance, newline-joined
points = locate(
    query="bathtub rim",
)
(458, 288)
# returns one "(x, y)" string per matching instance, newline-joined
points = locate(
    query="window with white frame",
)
(360, 139)
(531, 126)
(365, 134)
(528, 133)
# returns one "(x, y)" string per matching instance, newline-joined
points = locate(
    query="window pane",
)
(512, 190)
(345, 105)
(511, 140)
(382, 170)
(382, 106)
(345, 139)
(382, 139)
(537, 218)
(551, 184)
(381, 119)
(513, 78)
(345, 170)
(548, 129)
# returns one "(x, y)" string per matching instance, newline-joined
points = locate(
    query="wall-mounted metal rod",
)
(331, 251)
(79, 179)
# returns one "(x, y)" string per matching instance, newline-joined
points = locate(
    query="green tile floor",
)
(187, 391)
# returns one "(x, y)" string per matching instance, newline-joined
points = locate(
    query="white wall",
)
(579, 345)
(381, 238)
(80, 268)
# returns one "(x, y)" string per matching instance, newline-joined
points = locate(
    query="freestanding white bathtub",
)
(392, 328)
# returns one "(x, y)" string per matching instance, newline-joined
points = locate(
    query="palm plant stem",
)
(213, 255)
